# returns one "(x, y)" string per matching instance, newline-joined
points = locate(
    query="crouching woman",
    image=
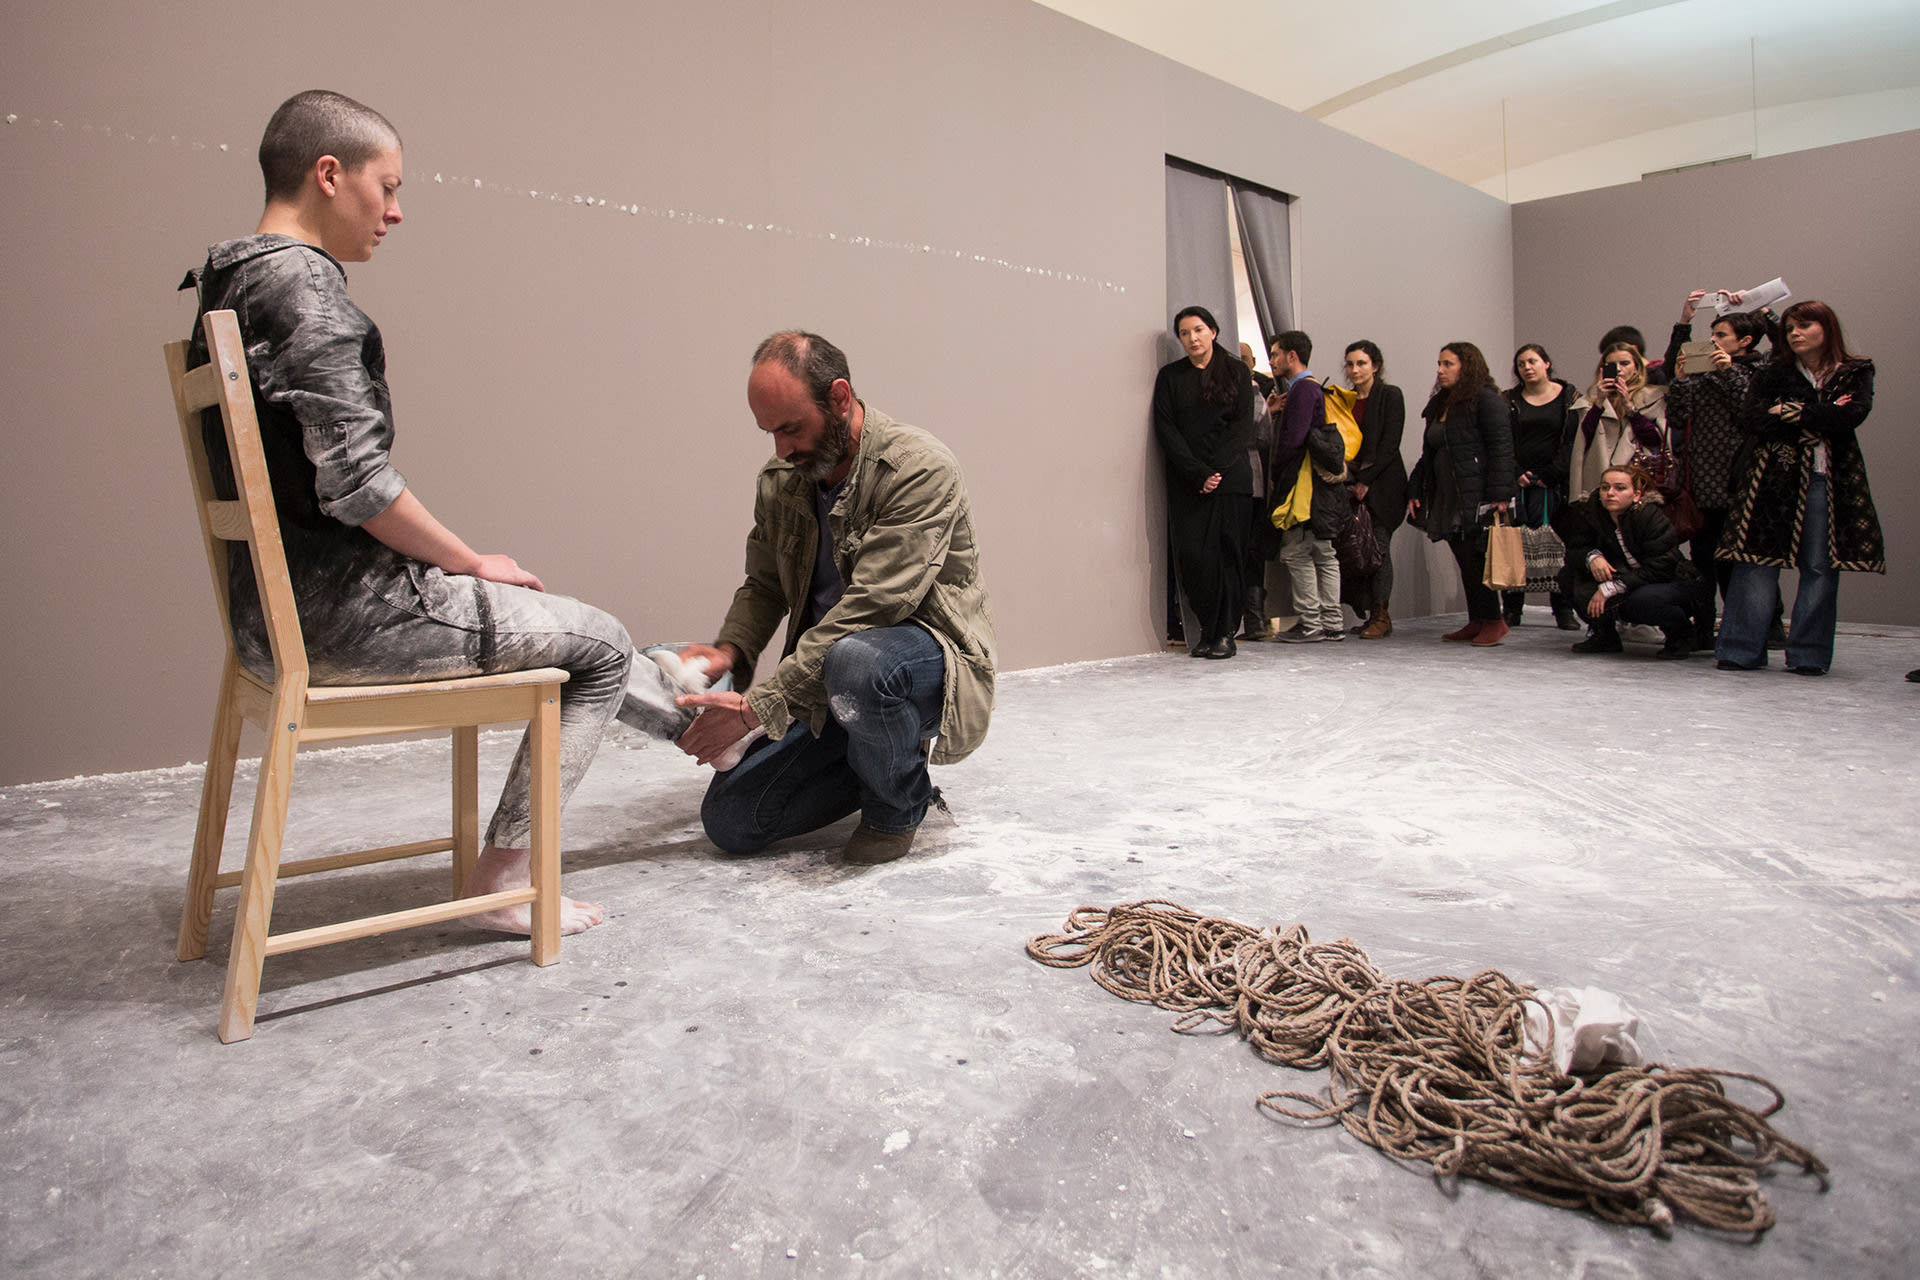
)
(1624, 564)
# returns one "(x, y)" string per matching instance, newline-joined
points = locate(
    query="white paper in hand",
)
(1770, 294)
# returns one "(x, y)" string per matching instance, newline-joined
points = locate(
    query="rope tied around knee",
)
(1439, 1071)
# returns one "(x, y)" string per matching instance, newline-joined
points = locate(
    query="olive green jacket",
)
(903, 541)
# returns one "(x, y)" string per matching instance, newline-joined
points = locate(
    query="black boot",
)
(1515, 604)
(1254, 624)
(1601, 640)
(1679, 644)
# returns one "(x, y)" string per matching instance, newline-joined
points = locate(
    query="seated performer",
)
(863, 542)
(385, 592)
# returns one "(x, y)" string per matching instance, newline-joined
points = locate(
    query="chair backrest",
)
(249, 517)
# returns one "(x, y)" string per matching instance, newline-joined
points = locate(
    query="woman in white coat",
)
(1621, 420)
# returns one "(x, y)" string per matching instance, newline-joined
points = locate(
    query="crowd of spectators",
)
(1676, 489)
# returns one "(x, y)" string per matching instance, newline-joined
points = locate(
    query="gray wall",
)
(569, 382)
(1837, 223)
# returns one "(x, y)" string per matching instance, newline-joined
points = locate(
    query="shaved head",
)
(320, 123)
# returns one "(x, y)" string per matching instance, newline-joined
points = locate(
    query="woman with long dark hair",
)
(1801, 499)
(1465, 471)
(1542, 407)
(1379, 480)
(1203, 419)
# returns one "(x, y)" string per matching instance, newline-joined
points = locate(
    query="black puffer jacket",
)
(1642, 548)
(1477, 445)
(1332, 496)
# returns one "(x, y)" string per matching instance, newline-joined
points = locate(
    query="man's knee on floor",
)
(729, 825)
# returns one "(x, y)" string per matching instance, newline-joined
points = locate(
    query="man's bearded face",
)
(829, 451)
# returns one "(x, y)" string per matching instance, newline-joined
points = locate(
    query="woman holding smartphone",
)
(1621, 418)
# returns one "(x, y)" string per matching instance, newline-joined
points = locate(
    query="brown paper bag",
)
(1506, 557)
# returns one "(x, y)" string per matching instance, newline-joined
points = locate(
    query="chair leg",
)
(210, 833)
(466, 803)
(262, 870)
(544, 779)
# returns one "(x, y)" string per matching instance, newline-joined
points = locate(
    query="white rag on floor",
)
(1591, 1028)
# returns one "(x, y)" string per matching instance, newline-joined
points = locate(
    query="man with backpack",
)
(1307, 479)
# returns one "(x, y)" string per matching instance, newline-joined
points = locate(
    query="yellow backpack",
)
(1297, 506)
(1340, 402)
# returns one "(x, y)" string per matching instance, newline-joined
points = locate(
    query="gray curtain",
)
(1199, 255)
(1266, 244)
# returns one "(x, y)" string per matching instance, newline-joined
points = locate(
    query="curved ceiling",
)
(1533, 98)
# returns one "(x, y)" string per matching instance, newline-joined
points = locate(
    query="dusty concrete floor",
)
(786, 1067)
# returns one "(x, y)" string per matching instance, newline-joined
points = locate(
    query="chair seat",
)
(362, 710)
(339, 693)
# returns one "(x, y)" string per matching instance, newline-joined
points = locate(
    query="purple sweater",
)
(1306, 409)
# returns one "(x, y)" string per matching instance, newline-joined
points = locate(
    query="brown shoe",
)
(1379, 624)
(869, 848)
(1490, 633)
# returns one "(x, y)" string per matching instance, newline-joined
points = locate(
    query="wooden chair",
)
(294, 712)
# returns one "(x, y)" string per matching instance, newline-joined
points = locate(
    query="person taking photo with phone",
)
(1622, 420)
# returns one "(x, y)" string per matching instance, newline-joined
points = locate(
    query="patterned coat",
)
(1770, 489)
(1704, 417)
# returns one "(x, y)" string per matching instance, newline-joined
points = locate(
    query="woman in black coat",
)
(1801, 498)
(1542, 416)
(1379, 480)
(1203, 419)
(1465, 470)
(1624, 564)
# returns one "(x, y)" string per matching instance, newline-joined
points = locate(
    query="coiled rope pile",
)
(1439, 1071)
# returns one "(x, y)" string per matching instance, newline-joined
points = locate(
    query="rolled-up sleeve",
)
(328, 371)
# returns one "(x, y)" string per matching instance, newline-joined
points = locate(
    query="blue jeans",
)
(885, 691)
(1816, 605)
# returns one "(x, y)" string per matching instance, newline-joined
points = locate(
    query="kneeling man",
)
(862, 540)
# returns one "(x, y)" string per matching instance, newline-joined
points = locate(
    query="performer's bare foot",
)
(501, 869)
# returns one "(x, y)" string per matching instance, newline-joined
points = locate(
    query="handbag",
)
(1683, 513)
(1545, 555)
(1506, 557)
(1544, 550)
(1354, 546)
